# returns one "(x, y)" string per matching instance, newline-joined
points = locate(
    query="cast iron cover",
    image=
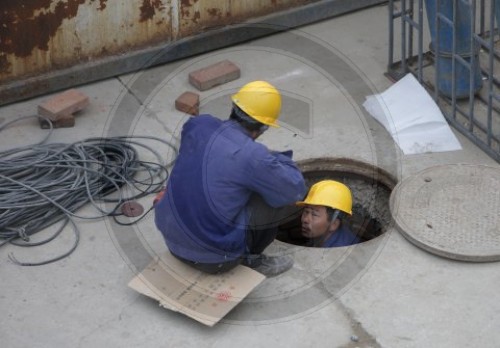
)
(451, 210)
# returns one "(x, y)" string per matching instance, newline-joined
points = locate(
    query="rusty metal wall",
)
(196, 15)
(46, 45)
(40, 35)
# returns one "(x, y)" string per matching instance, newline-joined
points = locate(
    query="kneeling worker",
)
(325, 206)
(209, 215)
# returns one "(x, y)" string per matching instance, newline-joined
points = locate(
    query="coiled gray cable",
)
(43, 184)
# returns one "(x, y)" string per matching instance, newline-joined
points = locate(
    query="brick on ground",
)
(214, 75)
(64, 121)
(63, 104)
(188, 102)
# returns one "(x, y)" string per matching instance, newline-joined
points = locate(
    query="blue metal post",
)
(497, 13)
(450, 28)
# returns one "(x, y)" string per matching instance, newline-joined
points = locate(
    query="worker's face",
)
(314, 221)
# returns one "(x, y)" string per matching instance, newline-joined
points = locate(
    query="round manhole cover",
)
(452, 211)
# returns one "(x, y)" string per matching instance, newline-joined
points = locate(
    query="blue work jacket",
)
(342, 237)
(203, 215)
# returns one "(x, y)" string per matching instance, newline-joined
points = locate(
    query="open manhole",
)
(370, 186)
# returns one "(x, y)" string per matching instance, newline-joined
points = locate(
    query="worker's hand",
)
(159, 196)
(287, 153)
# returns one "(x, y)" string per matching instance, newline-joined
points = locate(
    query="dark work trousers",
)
(261, 231)
(264, 221)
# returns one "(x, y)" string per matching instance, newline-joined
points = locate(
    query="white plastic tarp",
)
(412, 118)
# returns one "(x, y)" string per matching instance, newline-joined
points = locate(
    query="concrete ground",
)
(383, 293)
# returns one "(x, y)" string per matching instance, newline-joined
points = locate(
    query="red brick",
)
(64, 121)
(63, 104)
(188, 102)
(214, 75)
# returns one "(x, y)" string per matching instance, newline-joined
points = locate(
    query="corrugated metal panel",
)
(200, 15)
(49, 45)
(38, 36)
(42, 35)
(242, 9)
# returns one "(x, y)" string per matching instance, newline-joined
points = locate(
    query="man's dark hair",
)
(246, 121)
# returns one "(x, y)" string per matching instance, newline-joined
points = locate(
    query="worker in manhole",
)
(325, 207)
(211, 213)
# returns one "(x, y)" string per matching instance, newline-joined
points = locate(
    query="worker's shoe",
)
(269, 266)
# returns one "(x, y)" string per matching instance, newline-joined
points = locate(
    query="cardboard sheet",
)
(201, 296)
(412, 118)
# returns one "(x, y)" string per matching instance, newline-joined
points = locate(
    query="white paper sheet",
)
(412, 118)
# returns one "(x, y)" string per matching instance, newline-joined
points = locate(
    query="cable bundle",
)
(46, 183)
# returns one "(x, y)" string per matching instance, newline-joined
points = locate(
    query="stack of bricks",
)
(60, 108)
(203, 79)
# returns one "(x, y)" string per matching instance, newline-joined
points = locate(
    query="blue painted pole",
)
(497, 13)
(461, 27)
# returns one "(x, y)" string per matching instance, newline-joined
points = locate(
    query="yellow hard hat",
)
(261, 101)
(331, 194)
